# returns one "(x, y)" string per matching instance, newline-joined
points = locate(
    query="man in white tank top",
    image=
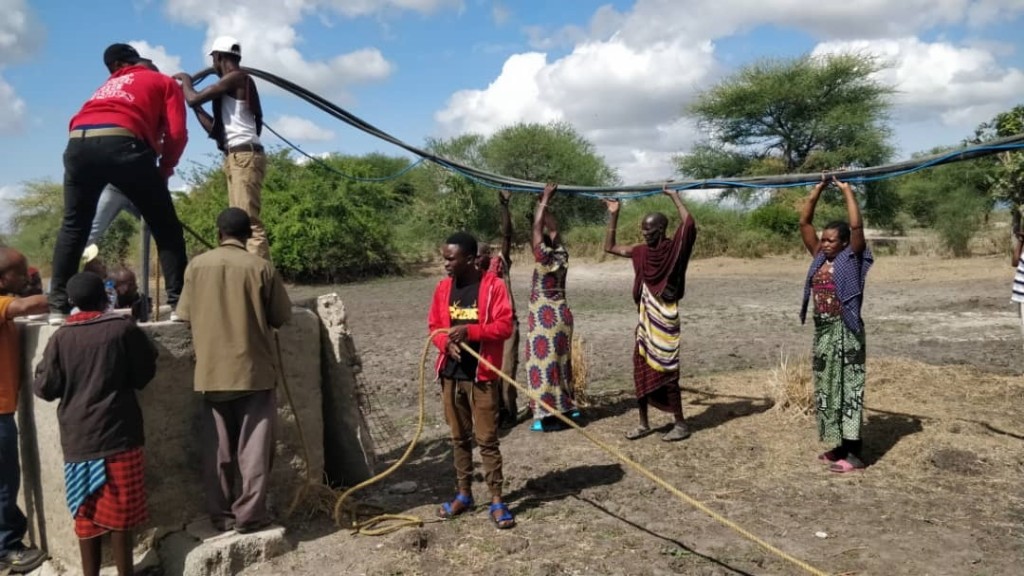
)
(236, 124)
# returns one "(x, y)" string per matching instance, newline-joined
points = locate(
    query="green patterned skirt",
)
(839, 376)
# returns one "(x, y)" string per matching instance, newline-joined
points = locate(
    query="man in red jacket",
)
(135, 117)
(474, 306)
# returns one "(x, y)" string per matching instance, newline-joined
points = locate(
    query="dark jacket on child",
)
(94, 367)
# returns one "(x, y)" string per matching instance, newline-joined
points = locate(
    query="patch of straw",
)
(789, 387)
(580, 370)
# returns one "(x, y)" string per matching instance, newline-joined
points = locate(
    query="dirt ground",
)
(944, 438)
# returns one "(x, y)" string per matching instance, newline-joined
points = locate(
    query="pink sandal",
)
(846, 465)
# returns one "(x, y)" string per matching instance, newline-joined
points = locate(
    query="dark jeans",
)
(130, 165)
(12, 522)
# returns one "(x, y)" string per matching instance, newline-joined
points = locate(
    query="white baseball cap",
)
(227, 45)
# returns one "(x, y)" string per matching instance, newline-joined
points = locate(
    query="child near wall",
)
(93, 365)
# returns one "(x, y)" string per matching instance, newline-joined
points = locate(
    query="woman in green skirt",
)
(835, 289)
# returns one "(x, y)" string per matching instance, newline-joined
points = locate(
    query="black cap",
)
(120, 53)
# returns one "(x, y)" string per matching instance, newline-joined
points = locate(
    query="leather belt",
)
(94, 132)
(245, 148)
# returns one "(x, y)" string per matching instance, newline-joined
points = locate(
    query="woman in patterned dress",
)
(835, 283)
(549, 325)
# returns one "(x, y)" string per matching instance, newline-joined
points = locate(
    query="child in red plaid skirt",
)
(93, 365)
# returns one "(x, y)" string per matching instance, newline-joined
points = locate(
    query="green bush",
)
(322, 227)
(777, 218)
(957, 219)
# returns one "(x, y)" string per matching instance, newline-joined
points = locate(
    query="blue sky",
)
(621, 71)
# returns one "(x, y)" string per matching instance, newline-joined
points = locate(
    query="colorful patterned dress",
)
(549, 333)
(838, 364)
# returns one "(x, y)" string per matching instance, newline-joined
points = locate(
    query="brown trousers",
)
(245, 172)
(238, 436)
(471, 409)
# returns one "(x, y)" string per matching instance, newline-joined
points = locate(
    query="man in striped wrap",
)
(660, 266)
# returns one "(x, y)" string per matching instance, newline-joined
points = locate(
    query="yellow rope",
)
(650, 475)
(415, 521)
(402, 521)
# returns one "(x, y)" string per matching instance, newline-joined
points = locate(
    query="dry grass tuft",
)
(789, 387)
(580, 370)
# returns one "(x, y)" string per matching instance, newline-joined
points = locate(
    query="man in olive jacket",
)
(233, 301)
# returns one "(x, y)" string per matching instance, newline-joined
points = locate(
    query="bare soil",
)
(944, 437)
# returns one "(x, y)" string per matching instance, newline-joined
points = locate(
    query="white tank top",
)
(239, 123)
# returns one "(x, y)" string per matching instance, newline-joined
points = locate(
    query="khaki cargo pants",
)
(245, 172)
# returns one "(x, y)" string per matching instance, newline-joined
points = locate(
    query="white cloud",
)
(12, 109)
(273, 44)
(20, 37)
(20, 33)
(167, 63)
(355, 8)
(296, 128)
(961, 85)
(629, 75)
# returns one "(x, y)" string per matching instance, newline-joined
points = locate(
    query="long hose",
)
(493, 180)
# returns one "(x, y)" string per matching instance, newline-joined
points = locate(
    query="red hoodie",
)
(494, 328)
(148, 103)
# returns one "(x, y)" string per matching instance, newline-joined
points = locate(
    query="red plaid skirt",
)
(660, 388)
(120, 504)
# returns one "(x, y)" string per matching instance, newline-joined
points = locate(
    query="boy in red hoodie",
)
(474, 305)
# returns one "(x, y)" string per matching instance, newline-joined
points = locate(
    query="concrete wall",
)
(171, 413)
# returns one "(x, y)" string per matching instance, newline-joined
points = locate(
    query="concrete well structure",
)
(313, 361)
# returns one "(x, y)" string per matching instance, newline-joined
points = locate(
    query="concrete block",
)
(200, 550)
(348, 446)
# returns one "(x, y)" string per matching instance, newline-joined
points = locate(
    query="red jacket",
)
(494, 328)
(148, 103)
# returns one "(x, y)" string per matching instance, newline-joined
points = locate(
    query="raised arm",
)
(176, 131)
(537, 238)
(680, 208)
(807, 231)
(857, 242)
(230, 81)
(506, 226)
(609, 236)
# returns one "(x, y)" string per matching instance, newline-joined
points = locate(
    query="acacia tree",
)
(805, 114)
(800, 115)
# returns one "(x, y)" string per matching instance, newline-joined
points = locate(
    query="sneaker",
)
(174, 317)
(56, 319)
(23, 560)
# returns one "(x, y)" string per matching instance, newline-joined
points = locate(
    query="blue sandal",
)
(447, 511)
(506, 520)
